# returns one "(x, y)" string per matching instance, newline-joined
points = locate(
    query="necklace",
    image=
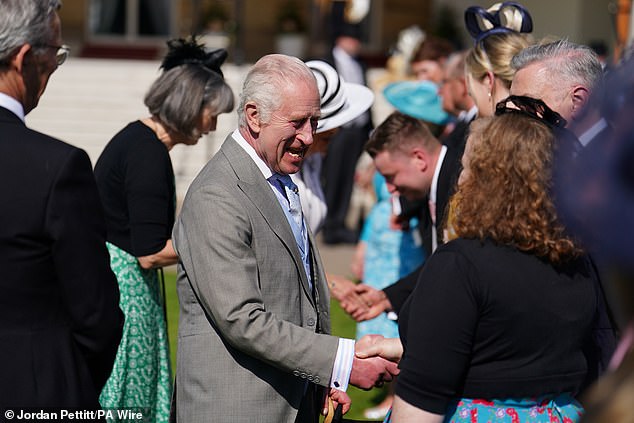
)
(159, 130)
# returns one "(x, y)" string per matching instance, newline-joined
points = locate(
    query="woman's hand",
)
(166, 257)
(376, 345)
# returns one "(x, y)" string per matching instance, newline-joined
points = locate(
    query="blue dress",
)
(390, 254)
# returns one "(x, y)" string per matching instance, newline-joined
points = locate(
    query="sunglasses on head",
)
(532, 107)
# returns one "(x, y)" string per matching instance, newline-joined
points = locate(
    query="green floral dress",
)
(140, 379)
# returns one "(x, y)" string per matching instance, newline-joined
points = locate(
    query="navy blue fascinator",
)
(181, 52)
(500, 18)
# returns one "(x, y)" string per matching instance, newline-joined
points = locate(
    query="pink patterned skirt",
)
(560, 409)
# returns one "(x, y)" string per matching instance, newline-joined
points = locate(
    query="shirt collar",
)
(12, 105)
(248, 148)
(470, 114)
(587, 136)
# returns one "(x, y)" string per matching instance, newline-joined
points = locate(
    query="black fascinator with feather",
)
(182, 51)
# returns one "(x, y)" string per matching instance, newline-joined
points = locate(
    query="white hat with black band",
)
(341, 101)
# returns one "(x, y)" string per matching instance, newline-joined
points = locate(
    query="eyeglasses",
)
(532, 107)
(62, 52)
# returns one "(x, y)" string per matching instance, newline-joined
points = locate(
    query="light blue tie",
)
(289, 199)
(292, 195)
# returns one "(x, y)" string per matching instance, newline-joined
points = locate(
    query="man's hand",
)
(373, 371)
(374, 302)
(343, 290)
(337, 397)
(376, 345)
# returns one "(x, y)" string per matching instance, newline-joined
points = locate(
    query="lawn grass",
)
(342, 325)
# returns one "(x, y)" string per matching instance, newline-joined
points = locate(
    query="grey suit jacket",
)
(251, 333)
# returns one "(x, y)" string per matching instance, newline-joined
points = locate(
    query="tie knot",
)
(286, 181)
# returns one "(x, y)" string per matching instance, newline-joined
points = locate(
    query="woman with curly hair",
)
(136, 184)
(497, 326)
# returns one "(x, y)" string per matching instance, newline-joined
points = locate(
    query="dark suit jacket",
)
(601, 144)
(450, 168)
(60, 322)
(457, 138)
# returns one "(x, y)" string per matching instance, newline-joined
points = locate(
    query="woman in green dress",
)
(136, 185)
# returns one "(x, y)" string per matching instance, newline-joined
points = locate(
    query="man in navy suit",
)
(60, 322)
(569, 78)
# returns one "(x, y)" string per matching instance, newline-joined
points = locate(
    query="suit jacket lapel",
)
(251, 181)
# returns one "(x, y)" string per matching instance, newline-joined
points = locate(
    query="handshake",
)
(375, 362)
(360, 301)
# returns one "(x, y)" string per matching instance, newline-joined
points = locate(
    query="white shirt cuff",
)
(343, 364)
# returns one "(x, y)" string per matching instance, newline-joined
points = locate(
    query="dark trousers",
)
(311, 406)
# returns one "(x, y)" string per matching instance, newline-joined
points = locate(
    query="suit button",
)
(311, 321)
(316, 379)
(310, 378)
(296, 372)
(302, 375)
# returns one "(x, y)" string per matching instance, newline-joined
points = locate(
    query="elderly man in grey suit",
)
(254, 307)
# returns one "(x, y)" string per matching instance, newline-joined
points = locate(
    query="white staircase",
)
(87, 101)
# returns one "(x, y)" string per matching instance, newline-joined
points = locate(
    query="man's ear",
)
(20, 56)
(580, 96)
(252, 115)
(419, 158)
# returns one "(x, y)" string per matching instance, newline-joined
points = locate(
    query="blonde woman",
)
(499, 32)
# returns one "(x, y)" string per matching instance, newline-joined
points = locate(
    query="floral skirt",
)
(140, 379)
(561, 409)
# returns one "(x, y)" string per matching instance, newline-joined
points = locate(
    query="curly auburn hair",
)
(506, 192)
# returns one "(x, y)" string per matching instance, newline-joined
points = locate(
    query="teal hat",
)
(418, 99)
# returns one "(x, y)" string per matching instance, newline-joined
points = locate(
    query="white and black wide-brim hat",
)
(340, 101)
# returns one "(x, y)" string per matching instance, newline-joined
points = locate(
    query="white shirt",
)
(468, 115)
(12, 105)
(349, 69)
(432, 195)
(345, 352)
